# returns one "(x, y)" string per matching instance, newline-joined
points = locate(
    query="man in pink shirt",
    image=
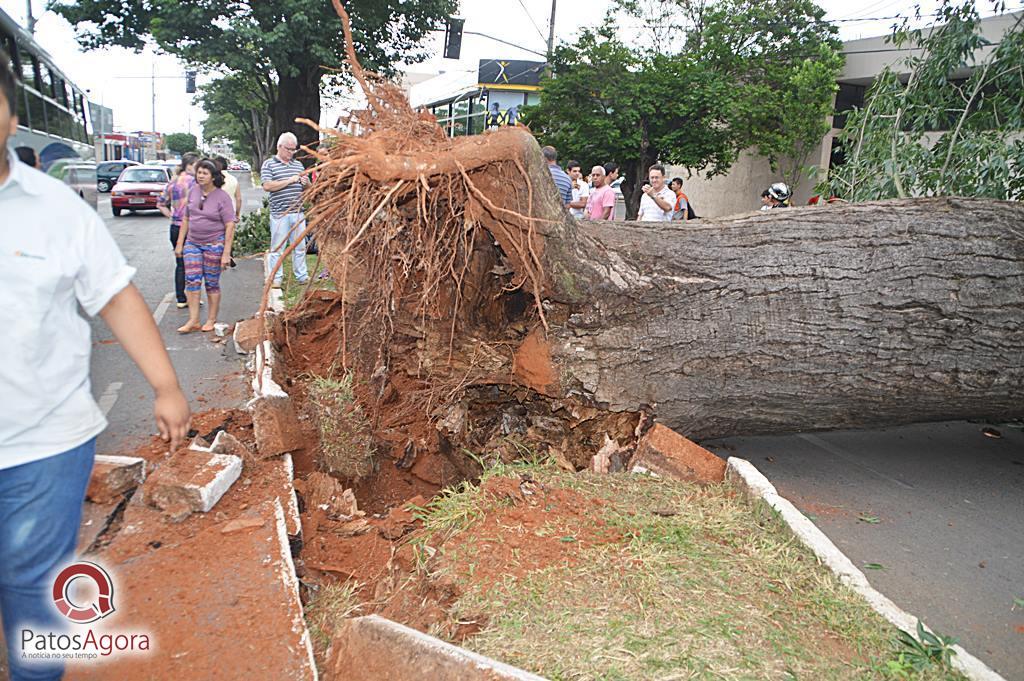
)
(601, 204)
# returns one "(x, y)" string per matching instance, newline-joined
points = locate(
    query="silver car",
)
(79, 175)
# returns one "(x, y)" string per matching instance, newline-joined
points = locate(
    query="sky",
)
(120, 79)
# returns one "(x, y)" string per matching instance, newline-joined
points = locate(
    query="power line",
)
(530, 17)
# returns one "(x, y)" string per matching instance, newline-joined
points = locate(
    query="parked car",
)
(138, 188)
(77, 174)
(107, 173)
(171, 164)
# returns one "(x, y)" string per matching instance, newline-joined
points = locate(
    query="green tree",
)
(181, 142)
(238, 110)
(285, 46)
(743, 74)
(933, 132)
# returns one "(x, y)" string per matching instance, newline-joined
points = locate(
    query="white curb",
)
(276, 299)
(263, 384)
(405, 654)
(289, 578)
(755, 485)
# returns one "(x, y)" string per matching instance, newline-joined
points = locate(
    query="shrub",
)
(253, 233)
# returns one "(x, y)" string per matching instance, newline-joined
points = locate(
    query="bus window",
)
(22, 109)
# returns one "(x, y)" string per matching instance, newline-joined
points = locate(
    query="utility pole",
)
(29, 19)
(152, 89)
(551, 31)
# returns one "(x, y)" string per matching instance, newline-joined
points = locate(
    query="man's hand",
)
(172, 416)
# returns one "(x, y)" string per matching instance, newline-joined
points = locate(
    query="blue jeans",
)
(284, 230)
(40, 510)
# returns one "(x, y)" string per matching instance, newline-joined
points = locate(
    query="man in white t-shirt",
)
(580, 189)
(56, 254)
(658, 202)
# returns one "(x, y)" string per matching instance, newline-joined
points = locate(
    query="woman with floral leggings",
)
(204, 242)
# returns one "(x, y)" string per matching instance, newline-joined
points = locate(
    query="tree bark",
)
(298, 97)
(860, 315)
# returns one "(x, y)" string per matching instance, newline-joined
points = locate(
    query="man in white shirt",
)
(56, 254)
(580, 189)
(658, 201)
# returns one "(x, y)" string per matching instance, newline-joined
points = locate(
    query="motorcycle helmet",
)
(780, 191)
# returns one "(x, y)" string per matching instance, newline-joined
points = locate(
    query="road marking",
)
(839, 452)
(109, 397)
(161, 309)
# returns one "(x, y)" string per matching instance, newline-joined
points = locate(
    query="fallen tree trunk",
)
(802, 319)
(462, 270)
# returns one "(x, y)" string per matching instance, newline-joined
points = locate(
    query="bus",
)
(53, 113)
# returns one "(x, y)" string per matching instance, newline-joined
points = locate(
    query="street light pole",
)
(29, 19)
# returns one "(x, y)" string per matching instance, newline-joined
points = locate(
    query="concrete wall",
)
(740, 189)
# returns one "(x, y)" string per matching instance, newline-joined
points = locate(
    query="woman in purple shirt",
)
(207, 230)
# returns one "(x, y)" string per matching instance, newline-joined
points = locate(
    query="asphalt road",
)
(210, 373)
(939, 506)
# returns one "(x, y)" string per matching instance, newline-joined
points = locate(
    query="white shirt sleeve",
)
(102, 270)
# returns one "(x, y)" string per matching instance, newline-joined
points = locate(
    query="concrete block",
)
(275, 425)
(372, 648)
(247, 335)
(114, 475)
(664, 452)
(192, 481)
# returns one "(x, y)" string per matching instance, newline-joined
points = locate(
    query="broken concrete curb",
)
(664, 452)
(263, 383)
(755, 486)
(371, 648)
(192, 479)
(275, 425)
(114, 475)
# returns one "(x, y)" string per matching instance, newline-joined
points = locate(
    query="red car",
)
(138, 188)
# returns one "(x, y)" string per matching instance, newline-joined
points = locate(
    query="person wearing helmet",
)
(779, 195)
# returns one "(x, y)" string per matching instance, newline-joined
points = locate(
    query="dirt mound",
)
(526, 526)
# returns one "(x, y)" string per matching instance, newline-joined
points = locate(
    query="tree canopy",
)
(181, 142)
(239, 111)
(927, 128)
(284, 47)
(744, 74)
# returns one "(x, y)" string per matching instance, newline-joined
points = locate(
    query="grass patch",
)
(346, 439)
(698, 585)
(292, 291)
(328, 606)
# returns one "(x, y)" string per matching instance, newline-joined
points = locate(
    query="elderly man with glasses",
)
(284, 178)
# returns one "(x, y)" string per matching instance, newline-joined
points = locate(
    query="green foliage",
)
(181, 142)
(748, 74)
(286, 46)
(239, 108)
(926, 650)
(253, 233)
(939, 134)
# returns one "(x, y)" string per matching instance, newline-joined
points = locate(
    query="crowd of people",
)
(593, 196)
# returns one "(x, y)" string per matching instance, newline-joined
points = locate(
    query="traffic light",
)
(453, 38)
(190, 82)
